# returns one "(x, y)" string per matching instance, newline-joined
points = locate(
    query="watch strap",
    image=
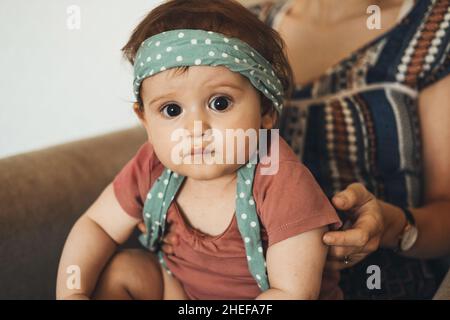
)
(409, 221)
(409, 216)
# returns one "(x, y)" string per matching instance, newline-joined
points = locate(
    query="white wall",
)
(57, 84)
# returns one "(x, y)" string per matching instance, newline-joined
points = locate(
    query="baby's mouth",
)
(199, 150)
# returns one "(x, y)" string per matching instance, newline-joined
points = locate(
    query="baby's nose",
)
(198, 129)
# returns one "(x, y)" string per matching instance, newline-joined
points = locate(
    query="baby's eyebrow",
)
(160, 98)
(216, 85)
(227, 84)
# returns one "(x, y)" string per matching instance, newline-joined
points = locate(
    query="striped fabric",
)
(359, 123)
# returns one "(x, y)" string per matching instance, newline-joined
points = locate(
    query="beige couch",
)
(42, 193)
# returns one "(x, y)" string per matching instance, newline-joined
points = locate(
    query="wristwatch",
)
(408, 236)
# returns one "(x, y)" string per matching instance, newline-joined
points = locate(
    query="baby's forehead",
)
(203, 75)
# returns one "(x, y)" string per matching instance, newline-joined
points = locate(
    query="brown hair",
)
(222, 16)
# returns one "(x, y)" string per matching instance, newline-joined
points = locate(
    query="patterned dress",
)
(359, 123)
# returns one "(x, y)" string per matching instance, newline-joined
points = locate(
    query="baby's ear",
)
(138, 111)
(141, 116)
(269, 119)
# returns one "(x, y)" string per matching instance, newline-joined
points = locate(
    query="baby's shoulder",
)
(281, 168)
(145, 157)
(143, 168)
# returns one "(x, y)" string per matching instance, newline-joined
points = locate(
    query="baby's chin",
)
(205, 171)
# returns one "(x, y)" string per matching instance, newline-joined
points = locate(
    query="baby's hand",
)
(170, 240)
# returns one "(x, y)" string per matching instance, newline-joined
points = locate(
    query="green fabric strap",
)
(162, 194)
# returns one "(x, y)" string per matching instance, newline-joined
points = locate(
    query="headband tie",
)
(193, 47)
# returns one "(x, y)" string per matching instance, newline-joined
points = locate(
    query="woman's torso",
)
(359, 122)
(318, 43)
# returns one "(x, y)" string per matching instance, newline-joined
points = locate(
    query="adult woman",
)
(370, 115)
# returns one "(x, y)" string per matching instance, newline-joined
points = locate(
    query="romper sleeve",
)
(437, 62)
(132, 183)
(293, 203)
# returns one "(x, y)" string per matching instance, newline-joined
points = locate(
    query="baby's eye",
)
(220, 103)
(171, 110)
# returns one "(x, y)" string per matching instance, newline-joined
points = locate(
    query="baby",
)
(206, 73)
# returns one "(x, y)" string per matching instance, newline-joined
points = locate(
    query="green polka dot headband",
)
(192, 47)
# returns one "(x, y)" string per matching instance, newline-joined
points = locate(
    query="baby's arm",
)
(295, 265)
(91, 243)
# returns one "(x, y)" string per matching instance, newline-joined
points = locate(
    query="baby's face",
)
(211, 98)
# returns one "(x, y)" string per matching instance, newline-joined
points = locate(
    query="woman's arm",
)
(90, 244)
(295, 266)
(432, 219)
(378, 222)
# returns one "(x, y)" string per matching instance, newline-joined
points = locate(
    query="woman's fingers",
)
(369, 218)
(173, 234)
(339, 252)
(355, 195)
(351, 238)
(367, 228)
(171, 239)
(350, 261)
(167, 249)
(367, 215)
(352, 244)
(338, 255)
(169, 242)
(141, 227)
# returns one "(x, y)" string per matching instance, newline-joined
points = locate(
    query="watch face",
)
(409, 238)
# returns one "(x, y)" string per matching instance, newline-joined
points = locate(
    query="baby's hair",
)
(222, 16)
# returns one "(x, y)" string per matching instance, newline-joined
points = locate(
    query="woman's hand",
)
(170, 240)
(362, 235)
